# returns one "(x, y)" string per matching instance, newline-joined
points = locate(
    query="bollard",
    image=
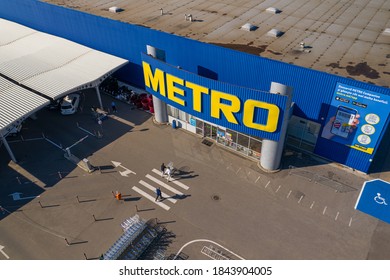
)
(162, 11)
(17, 178)
(40, 204)
(94, 217)
(78, 199)
(85, 256)
(136, 208)
(66, 240)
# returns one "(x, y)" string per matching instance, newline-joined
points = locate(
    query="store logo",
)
(221, 103)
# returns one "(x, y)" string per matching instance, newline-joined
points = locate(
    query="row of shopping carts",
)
(128, 237)
(136, 249)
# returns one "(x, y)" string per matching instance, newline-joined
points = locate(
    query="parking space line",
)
(151, 198)
(150, 187)
(163, 184)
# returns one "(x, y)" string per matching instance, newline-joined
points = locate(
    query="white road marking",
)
(205, 240)
(267, 184)
(278, 188)
(151, 198)
(180, 184)
(337, 215)
(323, 212)
(1, 251)
(168, 187)
(150, 187)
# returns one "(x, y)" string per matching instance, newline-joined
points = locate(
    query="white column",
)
(99, 97)
(271, 151)
(159, 106)
(11, 154)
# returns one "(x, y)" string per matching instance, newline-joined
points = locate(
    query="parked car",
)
(70, 103)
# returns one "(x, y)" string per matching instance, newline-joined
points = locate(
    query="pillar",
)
(99, 97)
(11, 154)
(271, 151)
(160, 107)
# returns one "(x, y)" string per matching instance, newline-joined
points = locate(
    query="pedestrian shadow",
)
(183, 172)
(180, 196)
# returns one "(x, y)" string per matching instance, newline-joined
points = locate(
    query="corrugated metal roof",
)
(16, 103)
(46, 64)
(51, 65)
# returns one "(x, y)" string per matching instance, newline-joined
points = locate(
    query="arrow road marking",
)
(123, 173)
(16, 196)
(1, 251)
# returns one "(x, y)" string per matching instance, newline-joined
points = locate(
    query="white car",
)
(70, 103)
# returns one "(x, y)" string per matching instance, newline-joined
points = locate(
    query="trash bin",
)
(174, 124)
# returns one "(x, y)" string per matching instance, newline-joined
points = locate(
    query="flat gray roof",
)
(346, 38)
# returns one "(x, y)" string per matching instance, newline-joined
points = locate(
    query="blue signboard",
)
(241, 109)
(356, 117)
(374, 199)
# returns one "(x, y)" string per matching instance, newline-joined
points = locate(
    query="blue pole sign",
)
(374, 199)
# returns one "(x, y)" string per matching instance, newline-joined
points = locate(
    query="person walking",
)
(158, 194)
(168, 173)
(162, 168)
(113, 106)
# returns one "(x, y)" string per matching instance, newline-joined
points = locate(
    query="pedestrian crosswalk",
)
(170, 190)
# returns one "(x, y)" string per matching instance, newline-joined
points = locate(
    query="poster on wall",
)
(356, 117)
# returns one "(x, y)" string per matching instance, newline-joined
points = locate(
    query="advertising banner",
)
(246, 110)
(356, 117)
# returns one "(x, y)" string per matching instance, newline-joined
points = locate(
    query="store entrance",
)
(243, 144)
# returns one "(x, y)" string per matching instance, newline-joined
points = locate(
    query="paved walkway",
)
(305, 211)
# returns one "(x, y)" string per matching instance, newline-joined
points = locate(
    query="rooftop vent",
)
(273, 10)
(275, 33)
(249, 27)
(386, 31)
(115, 10)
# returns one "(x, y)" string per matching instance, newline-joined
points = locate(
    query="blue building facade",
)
(313, 91)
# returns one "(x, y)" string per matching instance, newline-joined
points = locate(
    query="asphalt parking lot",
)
(218, 200)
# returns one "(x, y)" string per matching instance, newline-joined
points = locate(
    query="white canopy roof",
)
(15, 103)
(46, 64)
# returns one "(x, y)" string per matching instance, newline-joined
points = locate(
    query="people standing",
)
(168, 173)
(162, 168)
(158, 194)
(113, 106)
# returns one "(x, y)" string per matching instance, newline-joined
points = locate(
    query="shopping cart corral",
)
(137, 237)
